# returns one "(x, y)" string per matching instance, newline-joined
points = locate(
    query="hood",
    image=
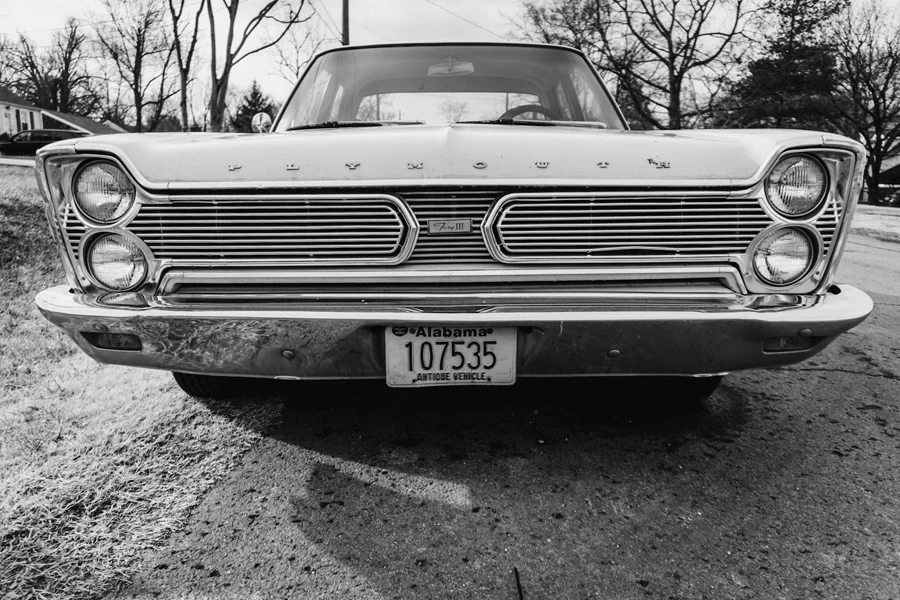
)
(470, 154)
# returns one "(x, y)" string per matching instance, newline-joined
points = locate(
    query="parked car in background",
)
(452, 214)
(28, 142)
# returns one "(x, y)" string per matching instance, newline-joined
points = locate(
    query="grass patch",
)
(98, 463)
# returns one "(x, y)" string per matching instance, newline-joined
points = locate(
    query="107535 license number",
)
(419, 356)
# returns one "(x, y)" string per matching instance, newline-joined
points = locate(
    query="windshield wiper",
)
(541, 123)
(337, 124)
(514, 122)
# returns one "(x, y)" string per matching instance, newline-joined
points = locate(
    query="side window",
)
(591, 108)
(24, 137)
(336, 104)
(562, 99)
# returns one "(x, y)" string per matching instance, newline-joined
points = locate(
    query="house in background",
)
(17, 115)
(58, 120)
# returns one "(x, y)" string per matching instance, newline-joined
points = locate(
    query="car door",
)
(39, 139)
(19, 144)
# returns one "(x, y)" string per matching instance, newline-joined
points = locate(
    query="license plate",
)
(422, 356)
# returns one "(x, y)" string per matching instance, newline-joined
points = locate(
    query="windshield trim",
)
(319, 55)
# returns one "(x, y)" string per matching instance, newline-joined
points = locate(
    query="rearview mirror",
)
(261, 123)
(450, 66)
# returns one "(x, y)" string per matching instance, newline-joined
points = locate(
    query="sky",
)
(371, 22)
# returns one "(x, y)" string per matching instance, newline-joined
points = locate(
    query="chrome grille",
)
(827, 225)
(450, 248)
(299, 229)
(589, 228)
(75, 230)
(528, 228)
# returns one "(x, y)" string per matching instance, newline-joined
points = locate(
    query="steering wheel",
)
(527, 108)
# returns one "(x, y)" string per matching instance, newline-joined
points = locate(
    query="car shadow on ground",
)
(443, 492)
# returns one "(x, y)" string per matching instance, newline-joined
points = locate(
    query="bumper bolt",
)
(288, 354)
(613, 354)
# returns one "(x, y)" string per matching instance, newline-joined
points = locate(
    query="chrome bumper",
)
(611, 336)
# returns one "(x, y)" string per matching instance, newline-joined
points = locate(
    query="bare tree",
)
(6, 70)
(296, 50)
(378, 107)
(134, 39)
(56, 77)
(184, 50)
(654, 48)
(235, 48)
(113, 106)
(868, 49)
(453, 110)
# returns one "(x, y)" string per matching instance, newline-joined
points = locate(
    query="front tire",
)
(210, 386)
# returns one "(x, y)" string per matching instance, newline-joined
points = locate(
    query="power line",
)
(466, 20)
(375, 33)
(336, 29)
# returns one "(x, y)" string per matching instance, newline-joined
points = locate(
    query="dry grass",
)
(97, 463)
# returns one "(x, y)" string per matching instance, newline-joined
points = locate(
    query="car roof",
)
(59, 130)
(466, 43)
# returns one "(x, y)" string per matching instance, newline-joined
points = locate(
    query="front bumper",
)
(328, 342)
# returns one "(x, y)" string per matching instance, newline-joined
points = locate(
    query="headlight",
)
(783, 256)
(103, 192)
(796, 185)
(116, 262)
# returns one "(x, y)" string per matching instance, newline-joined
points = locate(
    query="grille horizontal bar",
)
(303, 230)
(561, 228)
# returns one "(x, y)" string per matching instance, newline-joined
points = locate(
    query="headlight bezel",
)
(816, 243)
(87, 243)
(80, 211)
(818, 207)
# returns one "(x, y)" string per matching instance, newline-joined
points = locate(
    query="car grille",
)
(549, 227)
(300, 230)
(589, 228)
(455, 247)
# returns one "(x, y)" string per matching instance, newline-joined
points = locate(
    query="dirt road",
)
(783, 485)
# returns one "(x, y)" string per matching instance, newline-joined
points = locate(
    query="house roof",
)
(85, 124)
(7, 97)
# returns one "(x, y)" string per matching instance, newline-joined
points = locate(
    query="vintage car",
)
(452, 214)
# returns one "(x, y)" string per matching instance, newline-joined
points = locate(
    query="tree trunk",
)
(674, 103)
(183, 101)
(217, 98)
(873, 180)
(138, 109)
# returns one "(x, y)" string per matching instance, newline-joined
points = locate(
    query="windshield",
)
(449, 83)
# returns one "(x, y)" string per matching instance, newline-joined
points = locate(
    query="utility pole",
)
(346, 33)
